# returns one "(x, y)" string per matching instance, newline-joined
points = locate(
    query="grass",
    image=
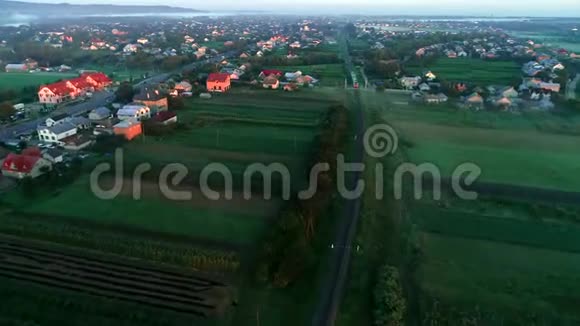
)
(476, 71)
(554, 40)
(30, 304)
(18, 80)
(528, 149)
(207, 223)
(499, 282)
(549, 160)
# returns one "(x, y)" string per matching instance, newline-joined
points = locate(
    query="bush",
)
(390, 305)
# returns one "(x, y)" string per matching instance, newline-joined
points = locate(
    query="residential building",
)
(435, 98)
(22, 166)
(218, 82)
(410, 82)
(271, 82)
(552, 87)
(54, 155)
(165, 118)
(98, 114)
(183, 87)
(153, 99)
(129, 128)
(56, 119)
(56, 133)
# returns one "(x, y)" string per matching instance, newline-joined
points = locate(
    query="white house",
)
(131, 48)
(56, 119)
(134, 111)
(57, 132)
(410, 82)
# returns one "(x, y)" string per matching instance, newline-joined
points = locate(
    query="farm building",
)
(128, 128)
(134, 111)
(25, 166)
(18, 67)
(218, 82)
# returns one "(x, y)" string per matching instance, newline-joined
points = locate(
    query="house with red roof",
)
(56, 93)
(98, 79)
(271, 72)
(219, 82)
(62, 91)
(165, 118)
(26, 165)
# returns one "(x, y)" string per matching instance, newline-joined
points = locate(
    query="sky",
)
(560, 8)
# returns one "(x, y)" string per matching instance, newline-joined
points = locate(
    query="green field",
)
(527, 149)
(197, 221)
(469, 70)
(494, 261)
(30, 304)
(497, 283)
(552, 40)
(17, 80)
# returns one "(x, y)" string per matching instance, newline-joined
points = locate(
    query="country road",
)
(332, 289)
(571, 88)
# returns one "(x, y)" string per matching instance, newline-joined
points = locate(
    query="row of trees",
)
(312, 58)
(287, 250)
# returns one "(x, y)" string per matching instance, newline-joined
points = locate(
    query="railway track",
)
(173, 290)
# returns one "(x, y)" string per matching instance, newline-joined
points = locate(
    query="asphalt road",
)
(332, 290)
(100, 99)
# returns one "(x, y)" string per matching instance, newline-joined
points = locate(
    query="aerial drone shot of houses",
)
(100, 117)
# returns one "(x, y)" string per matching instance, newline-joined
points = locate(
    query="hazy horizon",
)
(499, 8)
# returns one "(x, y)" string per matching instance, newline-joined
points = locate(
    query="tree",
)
(125, 93)
(175, 103)
(390, 305)
(6, 110)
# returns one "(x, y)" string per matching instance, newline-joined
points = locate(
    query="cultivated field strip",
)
(166, 289)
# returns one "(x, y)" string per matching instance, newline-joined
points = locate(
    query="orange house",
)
(218, 82)
(128, 128)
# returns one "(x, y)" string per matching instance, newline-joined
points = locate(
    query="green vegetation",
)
(202, 222)
(489, 261)
(19, 80)
(477, 71)
(390, 305)
(24, 303)
(95, 236)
